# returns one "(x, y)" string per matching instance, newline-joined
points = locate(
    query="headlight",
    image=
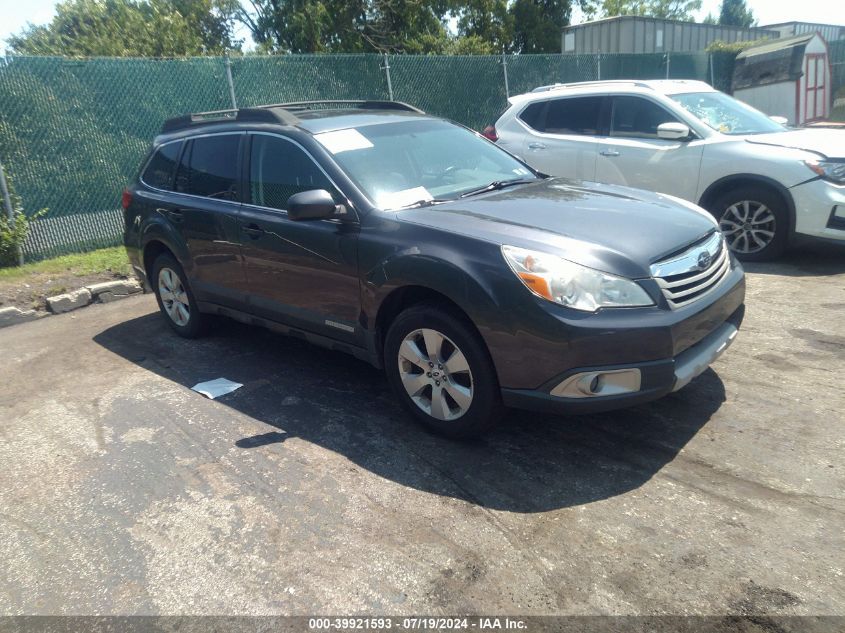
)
(571, 284)
(830, 169)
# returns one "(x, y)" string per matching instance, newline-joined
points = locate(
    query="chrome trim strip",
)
(712, 281)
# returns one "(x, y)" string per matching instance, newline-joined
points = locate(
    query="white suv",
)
(765, 183)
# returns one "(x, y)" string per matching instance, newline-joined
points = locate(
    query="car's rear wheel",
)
(175, 298)
(439, 367)
(754, 221)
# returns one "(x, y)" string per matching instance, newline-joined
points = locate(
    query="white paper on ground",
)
(216, 388)
(343, 140)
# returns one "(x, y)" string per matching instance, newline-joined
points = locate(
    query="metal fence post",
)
(599, 66)
(712, 71)
(505, 71)
(386, 68)
(230, 82)
(7, 202)
(668, 60)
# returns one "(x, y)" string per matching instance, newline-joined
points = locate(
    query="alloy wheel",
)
(749, 226)
(435, 374)
(173, 297)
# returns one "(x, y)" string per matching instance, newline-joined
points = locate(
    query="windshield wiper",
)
(497, 184)
(425, 202)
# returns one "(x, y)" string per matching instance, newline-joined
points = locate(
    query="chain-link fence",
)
(837, 78)
(72, 132)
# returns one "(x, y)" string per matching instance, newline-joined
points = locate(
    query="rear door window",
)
(578, 116)
(635, 117)
(209, 167)
(279, 169)
(159, 171)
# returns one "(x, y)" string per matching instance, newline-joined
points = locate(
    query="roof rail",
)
(364, 104)
(284, 113)
(600, 82)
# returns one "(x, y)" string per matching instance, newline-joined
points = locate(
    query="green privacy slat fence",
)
(72, 132)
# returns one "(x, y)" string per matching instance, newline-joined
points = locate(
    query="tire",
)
(461, 397)
(755, 223)
(176, 299)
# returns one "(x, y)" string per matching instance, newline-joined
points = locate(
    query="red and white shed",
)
(786, 77)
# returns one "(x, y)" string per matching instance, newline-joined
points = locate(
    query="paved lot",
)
(309, 490)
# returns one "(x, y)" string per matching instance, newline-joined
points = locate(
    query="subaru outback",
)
(473, 280)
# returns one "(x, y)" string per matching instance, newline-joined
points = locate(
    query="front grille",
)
(683, 279)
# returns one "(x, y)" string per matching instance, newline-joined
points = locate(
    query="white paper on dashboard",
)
(343, 140)
(396, 199)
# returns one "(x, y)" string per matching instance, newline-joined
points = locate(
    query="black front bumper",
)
(658, 378)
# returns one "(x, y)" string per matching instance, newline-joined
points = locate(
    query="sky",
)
(14, 14)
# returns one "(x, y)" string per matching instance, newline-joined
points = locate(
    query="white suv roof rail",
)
(630, 82)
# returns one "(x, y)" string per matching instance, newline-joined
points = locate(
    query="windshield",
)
(726, 114)
(412, 162)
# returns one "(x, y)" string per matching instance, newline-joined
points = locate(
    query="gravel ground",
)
(310, 491)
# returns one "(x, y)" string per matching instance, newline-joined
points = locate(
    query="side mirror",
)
(673, 131)
(316, 204)
(780, 120)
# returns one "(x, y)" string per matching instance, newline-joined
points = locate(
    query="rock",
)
(12, 316)
(108, 297)
(122, 287)
(69, 301)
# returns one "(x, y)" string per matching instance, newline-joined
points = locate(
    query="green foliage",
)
(537, 25)
(720, 46)
(663, 9)
(13, 233)
(132, 28)
(736, 13)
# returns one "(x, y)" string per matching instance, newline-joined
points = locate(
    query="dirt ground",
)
(310, 491)
(32, 293)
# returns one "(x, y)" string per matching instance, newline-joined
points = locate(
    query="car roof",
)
(632, 86)
(312, 117)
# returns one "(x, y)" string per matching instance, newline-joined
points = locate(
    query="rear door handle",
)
(253, 230)
(536, 146)
(609, 152)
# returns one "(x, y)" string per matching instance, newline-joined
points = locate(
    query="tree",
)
(664, 9)
(132, 28)
(537, 25)
(736, 13)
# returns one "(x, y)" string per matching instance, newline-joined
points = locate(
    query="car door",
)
(633, 155)
(303, 273)
(561, 136)
(205, 212)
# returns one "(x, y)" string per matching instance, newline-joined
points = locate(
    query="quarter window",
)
(634, 117)
(159, 171)
(533, 117)
(209, 167)
(280, 169)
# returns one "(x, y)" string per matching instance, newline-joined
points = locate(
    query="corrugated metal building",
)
(830, 32)
(635, 34)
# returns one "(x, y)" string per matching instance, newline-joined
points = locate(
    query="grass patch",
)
(105, 260)
(838, 114)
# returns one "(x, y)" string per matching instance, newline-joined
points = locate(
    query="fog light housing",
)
(592, 384)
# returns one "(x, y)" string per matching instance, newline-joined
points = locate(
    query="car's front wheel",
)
(175, 298)
(754, 222)
(439, 367)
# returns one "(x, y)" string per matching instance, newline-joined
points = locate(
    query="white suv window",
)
(635, 117)
(577, 115)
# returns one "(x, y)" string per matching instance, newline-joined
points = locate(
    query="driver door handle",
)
(609, 152)
(253, 230)
(536, 146)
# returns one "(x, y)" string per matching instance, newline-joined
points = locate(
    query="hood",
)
(825, 142)
(610, 228)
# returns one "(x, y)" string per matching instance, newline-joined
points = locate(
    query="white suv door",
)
(633, 155)
(561, 139)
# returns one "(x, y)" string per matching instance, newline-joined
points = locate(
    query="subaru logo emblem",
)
(703, 260)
